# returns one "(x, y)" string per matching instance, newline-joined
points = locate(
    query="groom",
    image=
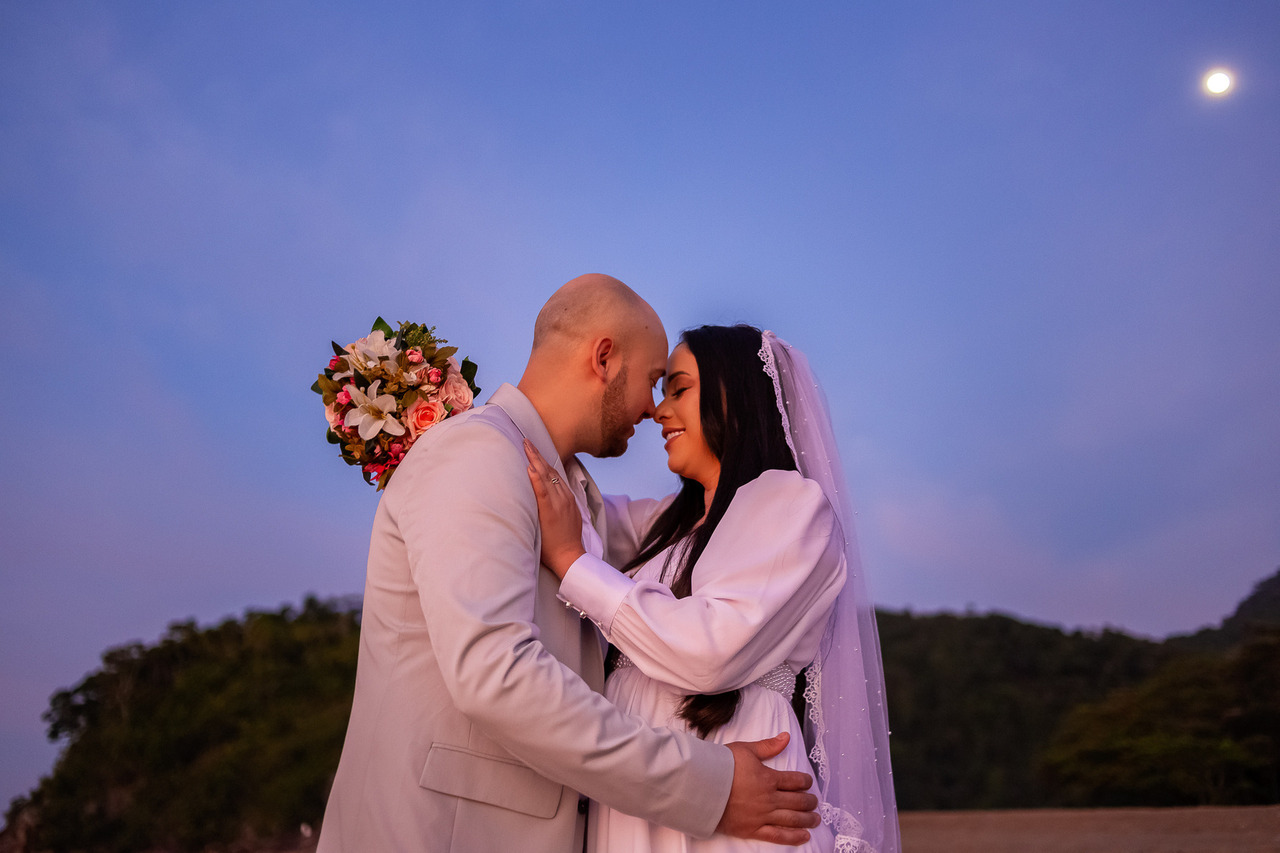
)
(478, 722)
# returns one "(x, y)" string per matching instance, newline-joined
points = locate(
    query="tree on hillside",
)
(973, 701)
(1204, 731)
(209, 737)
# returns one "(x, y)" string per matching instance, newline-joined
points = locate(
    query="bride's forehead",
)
(682, 361)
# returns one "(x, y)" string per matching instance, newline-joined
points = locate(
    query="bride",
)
(746, 577)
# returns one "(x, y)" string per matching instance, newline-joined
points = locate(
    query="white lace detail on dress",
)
(771, 368)
(780, 679)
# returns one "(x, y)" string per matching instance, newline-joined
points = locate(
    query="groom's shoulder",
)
(484, 426)
(483, 422)
(473, 450)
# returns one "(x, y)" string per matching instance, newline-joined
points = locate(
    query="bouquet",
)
(383, 391)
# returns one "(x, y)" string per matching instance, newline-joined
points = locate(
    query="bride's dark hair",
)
(743, 428)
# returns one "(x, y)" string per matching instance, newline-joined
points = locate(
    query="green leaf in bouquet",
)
(386, 478)
(408, 400)
(325, 385)
(332, 437)
(327, 388)
(384, 326)
(443, 353)
(337, 350)
(417, 335)
(469, 374)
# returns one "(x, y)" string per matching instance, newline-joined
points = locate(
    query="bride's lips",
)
(671, 435)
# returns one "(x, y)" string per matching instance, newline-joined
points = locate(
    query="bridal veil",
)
(846, 725)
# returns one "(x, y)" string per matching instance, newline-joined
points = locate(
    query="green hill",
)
(212, 737)
(974, 701)
(227, 737)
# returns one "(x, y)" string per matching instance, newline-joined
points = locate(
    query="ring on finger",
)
(555, 480)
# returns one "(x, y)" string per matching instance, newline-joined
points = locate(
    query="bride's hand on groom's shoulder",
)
(558, 514)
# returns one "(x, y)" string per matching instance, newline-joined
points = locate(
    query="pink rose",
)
(423, 415)
(434, 376)
(343, 397)
(456, 393)
(332, 415)
(414, 355)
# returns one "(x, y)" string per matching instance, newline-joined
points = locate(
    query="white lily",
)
(371, 350)
(372, 412)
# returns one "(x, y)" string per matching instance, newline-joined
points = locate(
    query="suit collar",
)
(512, 400)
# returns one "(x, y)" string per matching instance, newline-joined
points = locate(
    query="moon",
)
(1218, 82)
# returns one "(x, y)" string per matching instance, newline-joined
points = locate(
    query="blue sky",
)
(1035, 265)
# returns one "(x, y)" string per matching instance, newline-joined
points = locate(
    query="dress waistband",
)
(780, 679)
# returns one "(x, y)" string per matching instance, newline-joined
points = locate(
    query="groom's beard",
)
(615, 427)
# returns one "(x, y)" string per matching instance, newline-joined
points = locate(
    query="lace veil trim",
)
(771, 368)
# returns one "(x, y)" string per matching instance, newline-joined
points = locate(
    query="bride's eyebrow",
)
(667, 379)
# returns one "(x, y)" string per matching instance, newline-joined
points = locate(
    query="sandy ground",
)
(1244, 829)
(1248, 829)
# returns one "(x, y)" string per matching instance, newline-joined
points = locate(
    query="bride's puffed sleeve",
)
(763, 587)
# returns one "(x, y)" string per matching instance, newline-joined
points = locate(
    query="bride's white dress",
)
(762, 593)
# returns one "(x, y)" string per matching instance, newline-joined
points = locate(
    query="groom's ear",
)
(603, 351)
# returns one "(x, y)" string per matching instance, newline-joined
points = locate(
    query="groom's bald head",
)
(592, 305)
(598, 352)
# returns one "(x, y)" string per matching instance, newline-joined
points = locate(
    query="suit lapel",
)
(526, 419)
(599, 520)
(595, 505)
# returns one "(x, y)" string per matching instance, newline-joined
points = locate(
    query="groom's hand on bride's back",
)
(767, 804)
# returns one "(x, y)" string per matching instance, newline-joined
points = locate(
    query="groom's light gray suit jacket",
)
(477, 717)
